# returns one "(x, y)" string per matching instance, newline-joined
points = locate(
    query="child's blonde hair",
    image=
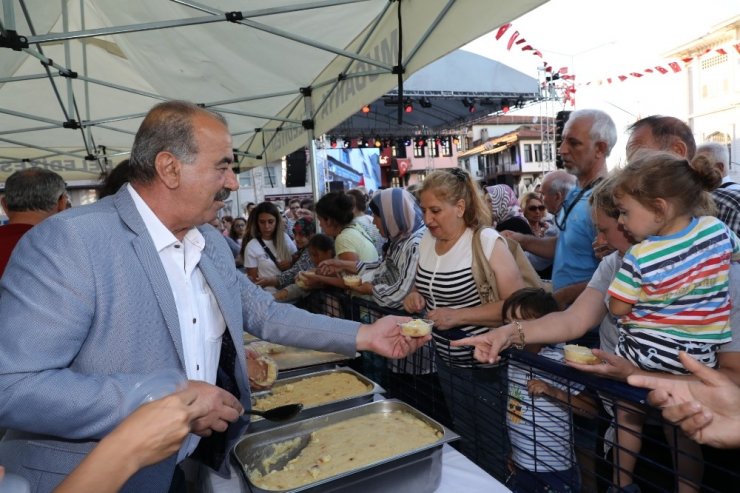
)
(653, 175)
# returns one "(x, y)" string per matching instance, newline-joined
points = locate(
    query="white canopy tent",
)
(77, 76)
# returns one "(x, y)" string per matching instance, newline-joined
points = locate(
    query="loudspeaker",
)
(296, 172)
(336, 186)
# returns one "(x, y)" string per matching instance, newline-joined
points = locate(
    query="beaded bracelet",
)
(519, 329)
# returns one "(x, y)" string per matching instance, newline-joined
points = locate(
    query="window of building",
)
(433, 147)
(537, 153)
(527, 153)
(547, 152)
(446, 145)
(271, 178)
(419, 149)
(245, 178)
(713, 61)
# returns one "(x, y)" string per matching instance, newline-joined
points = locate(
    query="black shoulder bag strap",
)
(569, 209)
(268, 252)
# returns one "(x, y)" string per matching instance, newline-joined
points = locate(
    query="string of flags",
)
(568, 89)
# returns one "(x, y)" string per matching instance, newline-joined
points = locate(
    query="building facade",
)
(714, 88)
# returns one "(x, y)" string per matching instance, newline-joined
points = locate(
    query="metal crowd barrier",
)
(473, 408)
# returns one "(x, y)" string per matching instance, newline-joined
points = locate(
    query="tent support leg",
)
(310, 136)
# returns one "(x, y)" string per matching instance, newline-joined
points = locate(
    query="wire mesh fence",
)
(536, 424)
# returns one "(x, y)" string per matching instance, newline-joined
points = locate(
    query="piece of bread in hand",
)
(416, 328)
(352, 280)
(580, 354)
(269, 375)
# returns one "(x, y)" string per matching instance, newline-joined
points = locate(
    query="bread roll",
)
(270, 374)
(416, 328)
(580, 354)
(352, 281)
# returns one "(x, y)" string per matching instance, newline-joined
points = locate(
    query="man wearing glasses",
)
(291, 215)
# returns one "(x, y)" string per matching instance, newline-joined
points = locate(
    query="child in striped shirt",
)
(671, 291)
(540, 407)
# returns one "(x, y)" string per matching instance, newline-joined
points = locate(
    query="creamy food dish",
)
(344, 446)
(313, 391)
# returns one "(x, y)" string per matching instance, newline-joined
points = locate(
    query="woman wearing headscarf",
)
(389, 280)
(507, 215)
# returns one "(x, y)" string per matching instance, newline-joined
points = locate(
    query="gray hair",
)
(33, 189)
(167, 127)
(717, 153)
(560, 181)
(603, 128)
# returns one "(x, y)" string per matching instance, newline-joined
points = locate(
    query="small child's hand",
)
(537, 387)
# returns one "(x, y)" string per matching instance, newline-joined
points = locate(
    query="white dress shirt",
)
(202, 324)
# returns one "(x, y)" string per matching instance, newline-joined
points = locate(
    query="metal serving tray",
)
(418, 470)
(257, 423)
(291, 358)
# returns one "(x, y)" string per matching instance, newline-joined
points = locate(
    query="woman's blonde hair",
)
(454, 184)
(524, 200)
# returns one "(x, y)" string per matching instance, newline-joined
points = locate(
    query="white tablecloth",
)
(461, 474)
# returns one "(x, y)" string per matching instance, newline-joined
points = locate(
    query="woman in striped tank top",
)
(445, 289)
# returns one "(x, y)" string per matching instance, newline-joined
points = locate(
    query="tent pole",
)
(310, 136)
(86, 84)
(8, 16)
(67, 60)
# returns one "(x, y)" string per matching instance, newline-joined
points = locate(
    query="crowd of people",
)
(640, 264)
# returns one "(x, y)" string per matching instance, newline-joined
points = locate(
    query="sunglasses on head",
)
(535, 208)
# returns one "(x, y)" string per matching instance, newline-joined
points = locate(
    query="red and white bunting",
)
(673, 66)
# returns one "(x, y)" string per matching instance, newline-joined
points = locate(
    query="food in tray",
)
(313, 391)
(344, 446)
(268, 348)
(352, 280)
(417, 327)
(580, 354)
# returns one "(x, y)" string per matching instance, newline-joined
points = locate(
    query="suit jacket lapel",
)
(152, 265)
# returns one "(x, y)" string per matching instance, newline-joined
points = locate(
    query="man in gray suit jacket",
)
(99, 297)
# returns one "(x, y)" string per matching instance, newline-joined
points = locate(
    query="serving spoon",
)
(280, 413)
